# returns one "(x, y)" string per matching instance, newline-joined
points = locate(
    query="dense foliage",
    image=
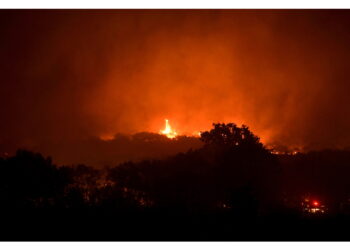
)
(232, 175)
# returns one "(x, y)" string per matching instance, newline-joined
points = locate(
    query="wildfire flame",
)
(168, 131)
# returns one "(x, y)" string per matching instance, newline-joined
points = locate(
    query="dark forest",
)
(231, 188)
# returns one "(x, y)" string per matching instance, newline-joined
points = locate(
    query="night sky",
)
(71, 75)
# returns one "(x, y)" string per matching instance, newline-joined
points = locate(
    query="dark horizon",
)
(229, 188)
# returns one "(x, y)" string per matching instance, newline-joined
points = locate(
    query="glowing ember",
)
(168, 131)
(107, 137)
(197, 134)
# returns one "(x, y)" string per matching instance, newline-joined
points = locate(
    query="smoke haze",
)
(71, 75)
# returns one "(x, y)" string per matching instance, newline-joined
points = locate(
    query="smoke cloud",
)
(71, 75)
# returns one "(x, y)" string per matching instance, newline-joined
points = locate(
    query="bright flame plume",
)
(168, 131)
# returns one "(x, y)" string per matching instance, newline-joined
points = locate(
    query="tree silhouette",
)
(231, 160)
(230, 135)
(29, 179)
(232, 175)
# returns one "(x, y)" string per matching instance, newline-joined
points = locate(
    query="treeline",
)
(233, 179)
(202, 179)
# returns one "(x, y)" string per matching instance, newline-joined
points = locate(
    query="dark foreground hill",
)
(232, 188)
